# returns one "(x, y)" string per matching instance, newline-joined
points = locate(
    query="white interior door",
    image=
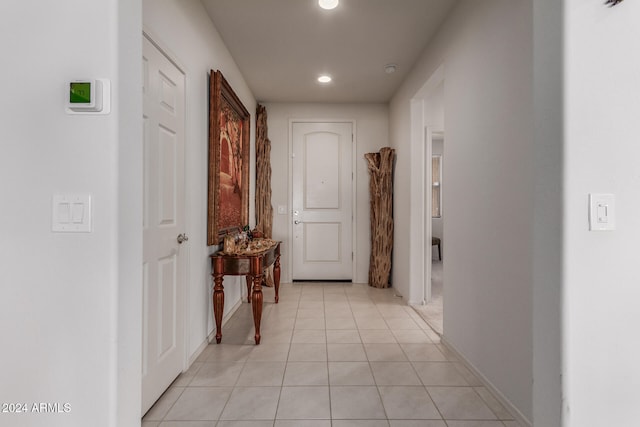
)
(163, 347)
(322, 201)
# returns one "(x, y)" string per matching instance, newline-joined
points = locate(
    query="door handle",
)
(297, 222)
(182, 238)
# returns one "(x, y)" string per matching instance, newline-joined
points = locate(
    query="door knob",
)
(182, 238)
(297, 222)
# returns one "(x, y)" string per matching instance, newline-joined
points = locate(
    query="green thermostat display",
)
(80, 93)
(87, 96)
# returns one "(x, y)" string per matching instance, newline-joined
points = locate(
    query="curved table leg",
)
(276, 274)
(256, 296)
(249, 283)
(218, 296)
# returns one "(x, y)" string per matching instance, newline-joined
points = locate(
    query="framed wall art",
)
(228, 193)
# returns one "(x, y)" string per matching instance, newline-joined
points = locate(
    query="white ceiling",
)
(282, 46)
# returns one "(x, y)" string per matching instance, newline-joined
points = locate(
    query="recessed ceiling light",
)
(324, 79)
(328, 4)
(390, 68)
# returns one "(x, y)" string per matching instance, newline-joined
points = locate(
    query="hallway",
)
(332, 355)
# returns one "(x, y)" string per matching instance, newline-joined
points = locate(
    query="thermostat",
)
(88, 96)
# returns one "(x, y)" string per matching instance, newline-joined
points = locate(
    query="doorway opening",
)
(428, 126)
(433, 310)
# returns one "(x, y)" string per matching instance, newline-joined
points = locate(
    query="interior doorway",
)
(427, 124)
(434, 307)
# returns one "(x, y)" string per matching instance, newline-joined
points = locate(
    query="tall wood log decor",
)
(381, 203)
(264, 210)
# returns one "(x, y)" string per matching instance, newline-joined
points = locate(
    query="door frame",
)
(354, 195)
(420, 193)
(164, 49)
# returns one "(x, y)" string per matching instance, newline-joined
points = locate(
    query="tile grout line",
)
(326, 344)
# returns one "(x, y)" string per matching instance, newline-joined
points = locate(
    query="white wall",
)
(486, 50)
(601, 278)
(69, 301)
(548, 207)
(129, 251)
(371, 134)
(434, 109)
(184, 29)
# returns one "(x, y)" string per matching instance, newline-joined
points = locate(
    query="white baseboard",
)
(211, 336)
(197, 353)
(519, 417)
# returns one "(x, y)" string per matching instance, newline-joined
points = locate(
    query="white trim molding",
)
(497, 394)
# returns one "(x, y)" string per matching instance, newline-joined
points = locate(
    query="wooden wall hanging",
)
(264, 210)
(228, 192)
(381, 212)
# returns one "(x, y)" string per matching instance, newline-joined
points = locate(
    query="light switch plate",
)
(602, 213)
(71, 213)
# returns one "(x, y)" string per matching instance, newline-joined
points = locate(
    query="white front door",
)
(163, 346)
(322, 201)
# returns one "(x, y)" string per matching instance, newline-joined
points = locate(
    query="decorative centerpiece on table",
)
(247, 242)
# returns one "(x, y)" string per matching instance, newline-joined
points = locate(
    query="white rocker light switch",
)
(602, 212)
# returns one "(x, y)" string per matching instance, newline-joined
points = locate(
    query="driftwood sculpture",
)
(381, 203)
(264, 210)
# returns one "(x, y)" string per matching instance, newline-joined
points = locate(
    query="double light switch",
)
(71, 214)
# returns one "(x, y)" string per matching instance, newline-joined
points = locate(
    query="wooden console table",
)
(251, 266)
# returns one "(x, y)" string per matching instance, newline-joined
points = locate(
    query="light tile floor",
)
(332, 355)
(432, 312)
